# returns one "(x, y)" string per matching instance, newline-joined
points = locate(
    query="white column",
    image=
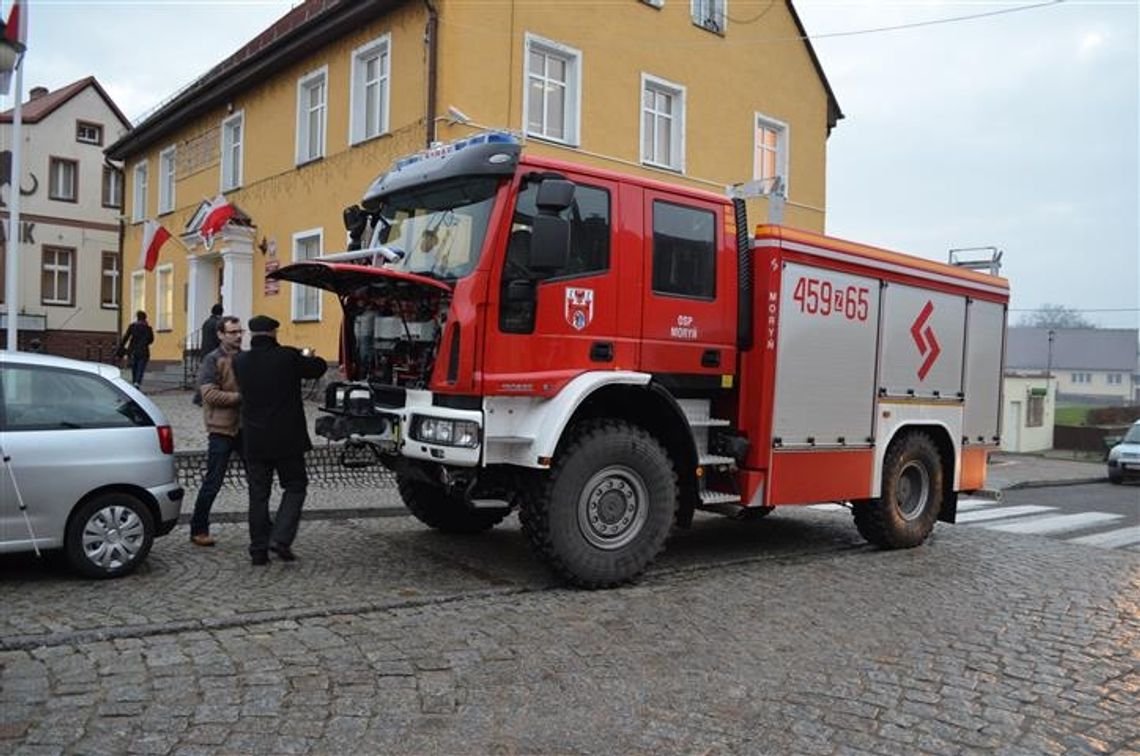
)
(237, 273)
(199, 293)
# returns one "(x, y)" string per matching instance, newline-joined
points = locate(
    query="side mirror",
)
(555, 195)
(549, 243)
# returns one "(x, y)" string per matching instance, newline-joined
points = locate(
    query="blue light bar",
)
(443, 150)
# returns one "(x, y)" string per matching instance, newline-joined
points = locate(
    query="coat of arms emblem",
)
(579, 307)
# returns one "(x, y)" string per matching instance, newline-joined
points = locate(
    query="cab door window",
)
(589, 217)
(684, 251)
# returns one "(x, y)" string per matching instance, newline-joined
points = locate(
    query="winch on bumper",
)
(401, 422)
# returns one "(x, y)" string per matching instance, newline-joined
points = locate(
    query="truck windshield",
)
(440, 228)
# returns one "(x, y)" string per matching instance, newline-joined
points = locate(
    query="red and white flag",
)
(154, 236)
(217, 215)
(17, 25)
(15, 33)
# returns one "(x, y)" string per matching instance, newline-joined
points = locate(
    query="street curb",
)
(1055, 483)
(310, 514)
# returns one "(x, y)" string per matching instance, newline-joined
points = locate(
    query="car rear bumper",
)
(169, 498)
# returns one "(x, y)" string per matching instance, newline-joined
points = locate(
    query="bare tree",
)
(1055, 316)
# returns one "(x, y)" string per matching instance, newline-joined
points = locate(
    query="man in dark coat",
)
(275, 435)
(210, 341)
(136, 344)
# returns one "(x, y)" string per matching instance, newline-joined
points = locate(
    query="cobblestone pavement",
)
(785, 635)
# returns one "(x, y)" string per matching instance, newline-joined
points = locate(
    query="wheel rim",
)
(113, 537)
(913, 490)
(613, 507)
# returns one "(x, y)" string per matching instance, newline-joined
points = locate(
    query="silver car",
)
(88, 464)
(1124, 458)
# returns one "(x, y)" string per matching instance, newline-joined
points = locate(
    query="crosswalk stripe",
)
(828, 507)
(1053, 523)
(997, 514)
(1111, 539)
(966, 505)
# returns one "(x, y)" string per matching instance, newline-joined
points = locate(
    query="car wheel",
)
(1115, 479)
(109, 536)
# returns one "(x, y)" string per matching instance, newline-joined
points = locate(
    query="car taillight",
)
(166, 439)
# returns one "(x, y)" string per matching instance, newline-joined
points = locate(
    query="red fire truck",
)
(608, 354)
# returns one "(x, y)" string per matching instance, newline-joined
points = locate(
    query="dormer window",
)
(88, 133)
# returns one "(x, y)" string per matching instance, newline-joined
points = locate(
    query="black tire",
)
(1116, 480)
(912, 494)
(602, 514)
(432, 506)
(109, 536)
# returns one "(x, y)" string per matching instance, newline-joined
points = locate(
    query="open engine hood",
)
(345, 278)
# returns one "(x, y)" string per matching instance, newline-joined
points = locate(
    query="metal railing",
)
(322, 465)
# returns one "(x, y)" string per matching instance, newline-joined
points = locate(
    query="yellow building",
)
(295, 125)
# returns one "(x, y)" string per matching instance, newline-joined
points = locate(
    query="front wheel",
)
(912, 493)
(604, 511)
(434, 507)
(109, 536)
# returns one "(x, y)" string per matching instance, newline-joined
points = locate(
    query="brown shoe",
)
(202, 539)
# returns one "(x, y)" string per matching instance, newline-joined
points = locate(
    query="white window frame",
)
(231, 172)
(163, 296)
(61, 189)
(572, 129)
(138, 192)
(167, 162)
(676, 158)
(97, 128)
(56, 270)
(138, 292)
(717, 12)
(112, 273)
(783, 148)
(300, 293)
(380, 47)
(304, 84)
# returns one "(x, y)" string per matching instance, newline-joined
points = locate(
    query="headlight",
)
(438, 430)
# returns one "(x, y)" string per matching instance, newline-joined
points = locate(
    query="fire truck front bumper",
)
(413, 427)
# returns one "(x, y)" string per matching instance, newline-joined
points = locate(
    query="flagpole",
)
(13, 246)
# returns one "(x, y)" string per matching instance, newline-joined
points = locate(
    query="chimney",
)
(37, 93)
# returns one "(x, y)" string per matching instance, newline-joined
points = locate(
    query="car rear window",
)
(46, 398)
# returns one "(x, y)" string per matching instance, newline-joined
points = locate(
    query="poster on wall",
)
(272, 286)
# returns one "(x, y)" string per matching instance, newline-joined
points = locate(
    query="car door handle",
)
(710, 358)
(602, 351)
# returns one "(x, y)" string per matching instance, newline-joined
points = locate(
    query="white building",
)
(70, 205)
(1089, 365)
(1028, 412)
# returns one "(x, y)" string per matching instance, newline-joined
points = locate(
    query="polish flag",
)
(154, 236)
(217, 215)
(17, 25)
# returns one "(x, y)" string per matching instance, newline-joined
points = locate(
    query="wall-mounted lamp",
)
(263, 245)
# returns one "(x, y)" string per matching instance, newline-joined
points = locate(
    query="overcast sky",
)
(1017, 130)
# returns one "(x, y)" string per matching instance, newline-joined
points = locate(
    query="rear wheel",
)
(434, 507)
(912, 493)
(604, 511)
(109, 536)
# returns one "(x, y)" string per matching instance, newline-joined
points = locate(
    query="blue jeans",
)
(218, 450)
(138, 367)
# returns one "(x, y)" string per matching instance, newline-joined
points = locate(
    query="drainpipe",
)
(431, 34)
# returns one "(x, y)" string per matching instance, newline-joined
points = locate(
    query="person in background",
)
(136, 344)
(221, 413)
(274, 435)
(209, 341)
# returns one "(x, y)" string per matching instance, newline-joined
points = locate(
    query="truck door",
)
(689, 318)
(550, 326)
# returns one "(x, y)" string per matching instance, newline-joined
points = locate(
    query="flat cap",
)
(262, 324)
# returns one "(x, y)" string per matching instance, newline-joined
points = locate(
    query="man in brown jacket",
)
(221, 405)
